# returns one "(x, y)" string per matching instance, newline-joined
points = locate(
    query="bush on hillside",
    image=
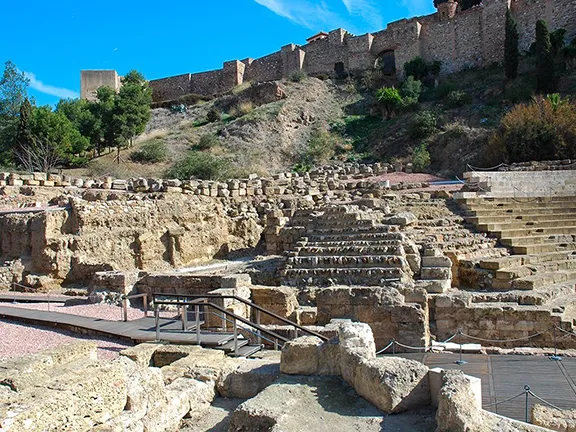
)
(154, 151)
(423, 125)
(322, 146)
(421, 69)
(457, 99)
(200, 165)
(390, 99)
(411, 88)
(543, 129)
(298, 76)
(214, 115)
(421, 158)
(207, 142)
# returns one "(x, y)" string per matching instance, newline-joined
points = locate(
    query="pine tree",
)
(511, 56)
(545, 74)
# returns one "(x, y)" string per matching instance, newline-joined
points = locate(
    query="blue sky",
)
(53, 40)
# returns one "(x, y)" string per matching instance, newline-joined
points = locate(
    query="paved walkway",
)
(504, 377)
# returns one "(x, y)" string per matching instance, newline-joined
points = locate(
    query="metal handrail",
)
(200, 298)
(197, 305)
(244, 328)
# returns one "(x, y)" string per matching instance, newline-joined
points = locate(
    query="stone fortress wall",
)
(473, 38)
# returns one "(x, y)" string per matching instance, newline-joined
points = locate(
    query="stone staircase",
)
(344, 245)
(540, 234)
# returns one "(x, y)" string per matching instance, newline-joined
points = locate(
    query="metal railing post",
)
(258, 324)
(235, 323)
(197, 316)
(125, 308)
(527, 390)
(185, 317)
(157, 319)
(145, 301)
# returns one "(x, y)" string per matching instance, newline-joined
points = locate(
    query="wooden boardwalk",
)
(137, 331)
(504, 377)
(21, 298)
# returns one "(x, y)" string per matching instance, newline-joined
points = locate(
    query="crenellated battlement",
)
(459, 39)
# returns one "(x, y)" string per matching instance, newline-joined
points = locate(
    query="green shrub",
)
(421, 158)
(200, 165)
(241, 109)
(322, 147)
(207, 142)
(457, 99)
(214, 115)
(417, 67)
(541, 130)
(298, 76)
(518, 91)
(411, 88)
(420, 68)
(153, 151)
(444, 89)
(389, 98)
(423, 125)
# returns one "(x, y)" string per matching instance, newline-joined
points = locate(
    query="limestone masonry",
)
(473, 38)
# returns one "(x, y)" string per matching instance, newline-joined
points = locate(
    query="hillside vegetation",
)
(522, 110)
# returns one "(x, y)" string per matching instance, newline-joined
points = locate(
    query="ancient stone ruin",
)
(329, 268)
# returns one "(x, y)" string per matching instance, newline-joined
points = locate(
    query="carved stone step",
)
(541, 280)
(505, 219)
(537, 239)
(518, 225)
(519, 211)
(350, 250)
(528, 270)
(351, 242)
(379, 236)
(374, 229)
(338, 276)
(535, 231)
(518, 260)
(366, 261)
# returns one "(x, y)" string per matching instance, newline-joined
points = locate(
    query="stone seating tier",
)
(539, 232)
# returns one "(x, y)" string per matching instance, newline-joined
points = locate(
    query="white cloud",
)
(307, 13)
(417, 7)
(48, 89)
(366, 9)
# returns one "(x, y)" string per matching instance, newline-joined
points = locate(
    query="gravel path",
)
(20, 339)
(103, 311)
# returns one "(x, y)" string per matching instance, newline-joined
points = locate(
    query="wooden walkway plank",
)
(141, 330)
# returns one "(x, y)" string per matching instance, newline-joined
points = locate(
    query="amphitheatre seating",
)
(540, 234)
(346, 246)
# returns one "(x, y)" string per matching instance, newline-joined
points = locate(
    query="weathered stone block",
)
(301, 356)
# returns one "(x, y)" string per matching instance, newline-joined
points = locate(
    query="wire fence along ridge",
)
(461, 334)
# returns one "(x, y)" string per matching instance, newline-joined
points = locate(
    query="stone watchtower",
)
(446, 8)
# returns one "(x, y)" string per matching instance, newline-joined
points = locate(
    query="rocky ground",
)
(325, 404)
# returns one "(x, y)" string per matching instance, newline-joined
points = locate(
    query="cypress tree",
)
(545, 75)
(511, 47)
(24, 136)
